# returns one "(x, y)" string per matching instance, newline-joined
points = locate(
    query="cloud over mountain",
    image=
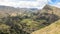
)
(25, 3)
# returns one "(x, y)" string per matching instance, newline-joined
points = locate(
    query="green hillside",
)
(27, 21)
(54, 28)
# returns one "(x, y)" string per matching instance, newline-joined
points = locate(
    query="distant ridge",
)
(8, 9)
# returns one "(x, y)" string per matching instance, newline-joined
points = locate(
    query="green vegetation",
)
(54, 28)
(26, 23)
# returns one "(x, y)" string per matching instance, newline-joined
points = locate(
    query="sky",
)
(55, 3)
(30, 3)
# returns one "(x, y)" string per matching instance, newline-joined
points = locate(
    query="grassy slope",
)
(54, 28)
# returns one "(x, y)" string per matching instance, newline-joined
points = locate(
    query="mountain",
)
(53, 28)
(11, 10)
(48, 14)
(51, 9)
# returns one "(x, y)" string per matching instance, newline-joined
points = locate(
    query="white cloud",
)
(57, 5)
(7, 3)
(24, 4)
(50, 1)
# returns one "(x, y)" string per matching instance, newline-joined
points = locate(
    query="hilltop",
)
(53, 28)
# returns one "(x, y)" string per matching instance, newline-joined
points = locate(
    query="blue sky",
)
(55, 3)
(30, 3)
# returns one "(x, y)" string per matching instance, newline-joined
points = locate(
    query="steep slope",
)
(51, 9)
(48, 9)
(54, 28)
(51, 29)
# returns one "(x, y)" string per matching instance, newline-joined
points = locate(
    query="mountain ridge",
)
(10, 10)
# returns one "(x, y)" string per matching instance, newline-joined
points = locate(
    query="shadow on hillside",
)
(51, 18)
(19, 27)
